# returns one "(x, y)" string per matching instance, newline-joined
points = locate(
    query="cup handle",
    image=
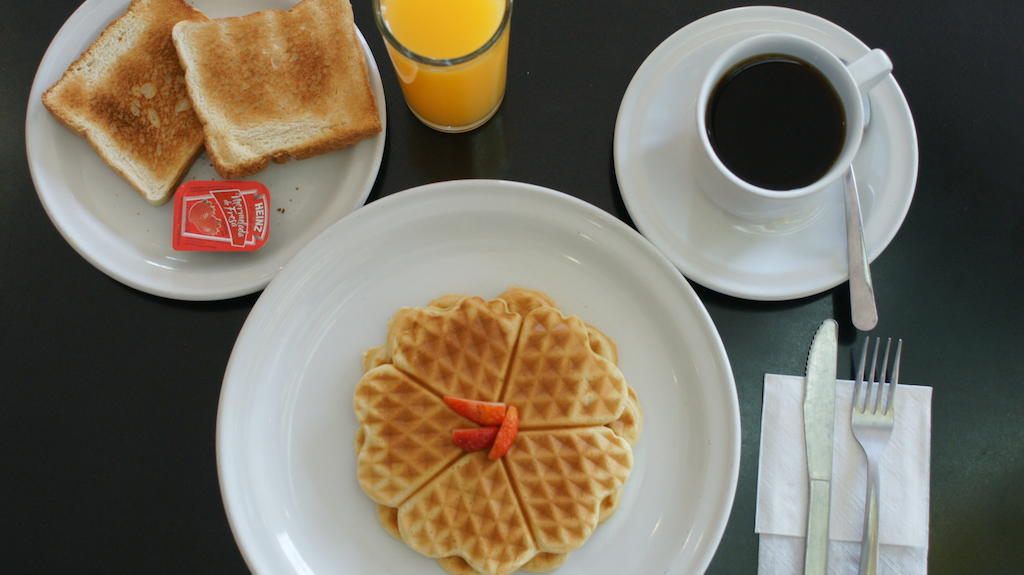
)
(870, 69)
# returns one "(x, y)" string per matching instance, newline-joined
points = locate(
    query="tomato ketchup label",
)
(221, 216)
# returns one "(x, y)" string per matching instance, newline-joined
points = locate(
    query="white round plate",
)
(110, 225)
(655, 144)
(286, 426)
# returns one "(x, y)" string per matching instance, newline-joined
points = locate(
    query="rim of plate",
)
(84, 21)
(295, 273)
(707, 26)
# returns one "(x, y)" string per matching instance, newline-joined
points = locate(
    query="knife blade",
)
(819, 421)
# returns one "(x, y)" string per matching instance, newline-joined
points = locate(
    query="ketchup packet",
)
(221, 216)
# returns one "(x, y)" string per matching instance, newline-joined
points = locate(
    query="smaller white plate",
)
(286, 425)
(655, 139)
(110, 225)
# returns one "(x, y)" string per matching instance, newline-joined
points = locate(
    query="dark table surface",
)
(108, 433)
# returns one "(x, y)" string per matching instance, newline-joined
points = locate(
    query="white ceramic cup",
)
(781, 209)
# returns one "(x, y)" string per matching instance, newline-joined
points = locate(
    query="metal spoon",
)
(862, 293)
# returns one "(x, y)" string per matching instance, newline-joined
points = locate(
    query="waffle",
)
(563, 475)
(463, 350)
(628, 425)
(557, 379)
(470, 510)
(404, 439)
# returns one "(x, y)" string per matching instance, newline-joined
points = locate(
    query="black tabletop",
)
(109, 399)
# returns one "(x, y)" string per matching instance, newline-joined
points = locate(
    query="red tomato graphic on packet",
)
(221, 216)
(202, 219)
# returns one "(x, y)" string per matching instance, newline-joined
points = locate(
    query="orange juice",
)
(450, 57)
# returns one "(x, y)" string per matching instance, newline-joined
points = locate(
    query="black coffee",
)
(776, 122)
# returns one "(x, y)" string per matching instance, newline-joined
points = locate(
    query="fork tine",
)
(872, 377)
(880, 382)
(894, 380)
(859, 386)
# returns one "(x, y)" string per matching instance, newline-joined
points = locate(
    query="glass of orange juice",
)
(450, 57)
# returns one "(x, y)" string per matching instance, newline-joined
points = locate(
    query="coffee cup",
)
(780, 118)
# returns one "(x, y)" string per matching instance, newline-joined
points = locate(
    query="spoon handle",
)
(862, 294)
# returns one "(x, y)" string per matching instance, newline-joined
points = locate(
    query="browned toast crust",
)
(278, 84)
(126, 95)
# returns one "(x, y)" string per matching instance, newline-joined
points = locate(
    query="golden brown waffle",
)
(522, 301)
(540, 563)
(462, 351)
(471, 511)
(565, 471)
(456, 565)
(557, 380)
(609, 505)
(544, 561)
(602, 344)
(388, 517)
(563, 476)
(406, 435)
(375, 356)
(629, 424)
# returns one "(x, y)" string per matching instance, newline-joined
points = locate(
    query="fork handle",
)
(869, 545)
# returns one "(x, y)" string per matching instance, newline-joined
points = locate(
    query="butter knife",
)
(819, 419)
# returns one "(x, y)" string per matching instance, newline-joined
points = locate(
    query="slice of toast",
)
(277, 84)
(126, 94)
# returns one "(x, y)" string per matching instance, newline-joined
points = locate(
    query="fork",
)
(872, 420)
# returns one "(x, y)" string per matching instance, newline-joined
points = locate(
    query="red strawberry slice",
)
(482, 412)
(474, 439)
(506, 433)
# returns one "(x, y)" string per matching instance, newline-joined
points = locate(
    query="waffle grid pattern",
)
(563, 475)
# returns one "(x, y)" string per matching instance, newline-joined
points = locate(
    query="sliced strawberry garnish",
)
(474, 439)
(482, 412)
(506, 433)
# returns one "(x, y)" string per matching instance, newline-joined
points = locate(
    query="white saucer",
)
(112, 227)
(286, 426)
(654, 147)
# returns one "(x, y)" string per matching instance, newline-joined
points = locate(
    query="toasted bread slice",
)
(126, 94)
(277, 84)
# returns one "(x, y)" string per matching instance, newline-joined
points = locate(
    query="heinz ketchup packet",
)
(221, 216)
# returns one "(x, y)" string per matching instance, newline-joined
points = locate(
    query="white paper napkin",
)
(781, 518)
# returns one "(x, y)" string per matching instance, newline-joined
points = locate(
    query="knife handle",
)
(816, 551)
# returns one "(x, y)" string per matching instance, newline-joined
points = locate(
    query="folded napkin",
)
(781, 520)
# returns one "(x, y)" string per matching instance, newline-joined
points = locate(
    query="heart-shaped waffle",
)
(405, 435)
(462, 350)
(556, 378)
(563, 475)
